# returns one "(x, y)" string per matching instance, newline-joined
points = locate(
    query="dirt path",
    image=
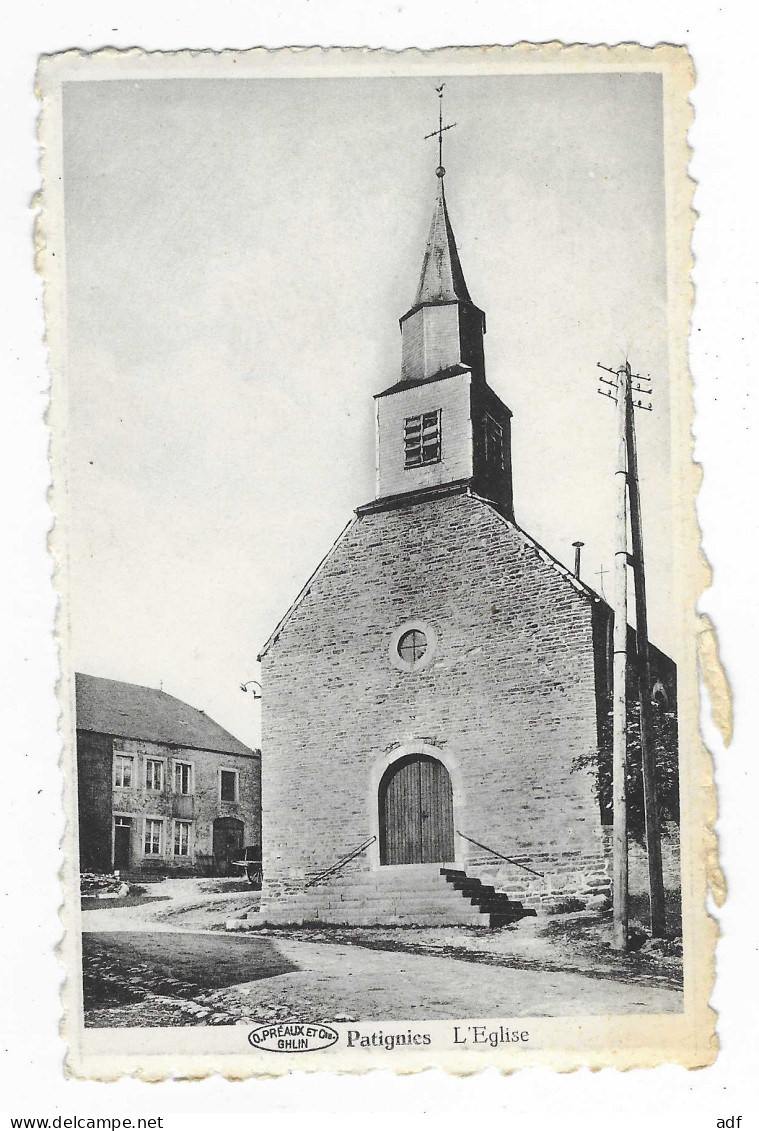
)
(171, 905)
(333, 980)
(254, 980)
(153, 961)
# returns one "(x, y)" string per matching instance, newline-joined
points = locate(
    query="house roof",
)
(128, 710)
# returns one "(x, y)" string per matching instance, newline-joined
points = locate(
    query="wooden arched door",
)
(416, 812)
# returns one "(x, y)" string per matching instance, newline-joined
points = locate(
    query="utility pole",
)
(648, 753)
(621, 907)
(627, 486)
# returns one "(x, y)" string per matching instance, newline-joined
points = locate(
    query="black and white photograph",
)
(377, 551)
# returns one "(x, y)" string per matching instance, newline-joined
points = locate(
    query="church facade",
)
(430, 691)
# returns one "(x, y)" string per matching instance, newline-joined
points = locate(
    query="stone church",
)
(428, 693)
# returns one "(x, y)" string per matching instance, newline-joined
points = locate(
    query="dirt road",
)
(258, 979)
(140, 958)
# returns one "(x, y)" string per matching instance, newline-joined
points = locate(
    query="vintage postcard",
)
(380, 728)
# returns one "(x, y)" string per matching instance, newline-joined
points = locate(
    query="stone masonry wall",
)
(93, 753)
(201, 807)
(508, 701)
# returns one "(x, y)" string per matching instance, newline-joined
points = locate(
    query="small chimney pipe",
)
(578, 549)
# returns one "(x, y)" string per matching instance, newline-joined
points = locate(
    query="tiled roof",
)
(127, 710)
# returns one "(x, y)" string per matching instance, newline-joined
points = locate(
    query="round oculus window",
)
(412, 646)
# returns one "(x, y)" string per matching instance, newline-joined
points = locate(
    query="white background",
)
(722, 41)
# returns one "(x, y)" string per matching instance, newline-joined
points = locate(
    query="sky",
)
(238, 254)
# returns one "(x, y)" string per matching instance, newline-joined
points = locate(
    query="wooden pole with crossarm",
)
(628, 488)
(648, 752)
(619, 679)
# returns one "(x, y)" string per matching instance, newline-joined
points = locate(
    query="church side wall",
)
(508, 701)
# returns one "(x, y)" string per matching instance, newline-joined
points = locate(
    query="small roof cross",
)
(438, 133)
(601, 574)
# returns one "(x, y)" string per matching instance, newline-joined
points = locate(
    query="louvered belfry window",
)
(421, 435)
(494, 453)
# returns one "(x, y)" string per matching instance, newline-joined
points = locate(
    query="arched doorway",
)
(228, 835)
(416, 812)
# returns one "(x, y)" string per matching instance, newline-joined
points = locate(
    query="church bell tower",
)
(441, 428)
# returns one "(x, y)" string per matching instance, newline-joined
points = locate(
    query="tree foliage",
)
(666, 768)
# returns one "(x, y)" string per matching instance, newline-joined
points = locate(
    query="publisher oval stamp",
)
(292, 1037)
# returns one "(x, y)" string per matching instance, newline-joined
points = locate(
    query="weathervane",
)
(438, 133)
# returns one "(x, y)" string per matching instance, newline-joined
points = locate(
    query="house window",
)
(123, 771)
(153, 836)
(153, 774)
(421, 437)
(229, 785)
(493, 443)
(182, 838)
(183, 777)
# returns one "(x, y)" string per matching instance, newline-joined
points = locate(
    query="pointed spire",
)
(442, 279)
(443, 330)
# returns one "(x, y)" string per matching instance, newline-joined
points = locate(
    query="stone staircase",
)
(421, 895)
(494, 904)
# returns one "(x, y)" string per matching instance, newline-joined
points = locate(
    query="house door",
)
(122, 843)
(228, 834)
(416, 812)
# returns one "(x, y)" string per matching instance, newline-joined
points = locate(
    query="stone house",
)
(429, 693)
(161, 787)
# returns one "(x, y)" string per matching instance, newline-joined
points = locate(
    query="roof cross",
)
(601, 573)
(438, 133)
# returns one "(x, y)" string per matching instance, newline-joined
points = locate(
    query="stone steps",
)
(348, 912)
(411, 895)
(379, 918)
(358, 894)
(499, 909)
(362, 895)
(394, 879)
